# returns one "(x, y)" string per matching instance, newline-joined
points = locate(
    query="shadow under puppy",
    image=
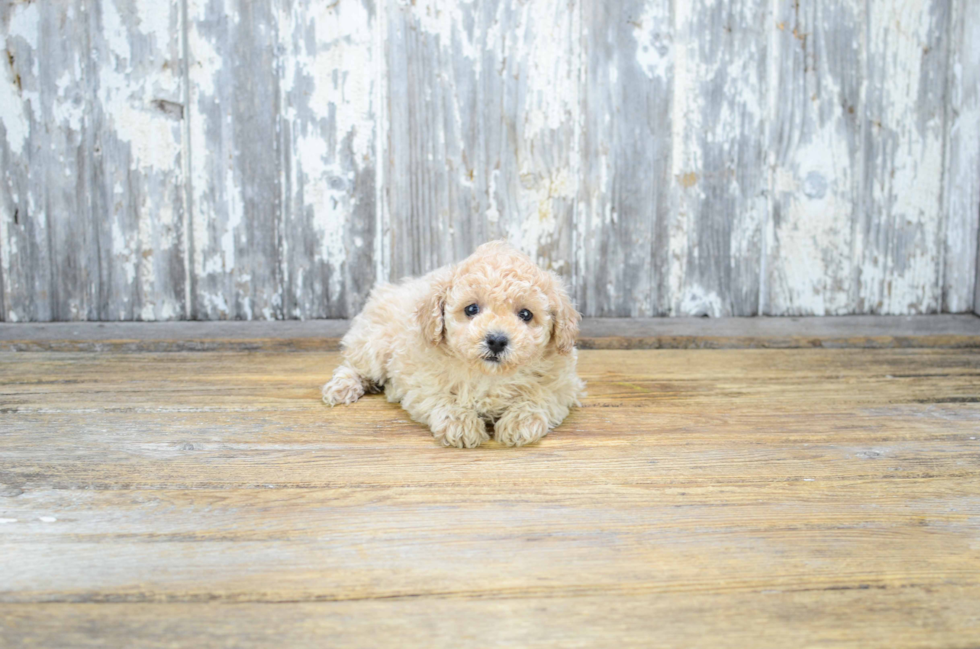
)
(488, 340)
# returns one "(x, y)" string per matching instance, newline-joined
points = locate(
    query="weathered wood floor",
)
(699, 498)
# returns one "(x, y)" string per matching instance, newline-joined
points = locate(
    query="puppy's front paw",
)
(462, 432)
(345, 387)
(515, 429)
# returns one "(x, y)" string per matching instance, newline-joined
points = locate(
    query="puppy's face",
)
(500, 311)
(497, 325)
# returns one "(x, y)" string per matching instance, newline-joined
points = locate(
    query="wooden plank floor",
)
(706, 498)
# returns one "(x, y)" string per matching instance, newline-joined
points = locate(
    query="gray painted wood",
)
(481, 131)
(816, 150)
(961, 183)
(40, 166)
(136, 185)
(623, 258)
(50, 252)
(328, 162)
(673, 200)
(899, 237)
(92, 195)
(719, 166)
(717, 157)
(236, 203)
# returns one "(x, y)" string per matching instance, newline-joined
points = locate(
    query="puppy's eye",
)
(471, 310)
(525, 315)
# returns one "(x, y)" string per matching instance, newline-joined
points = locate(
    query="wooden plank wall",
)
(267, 159)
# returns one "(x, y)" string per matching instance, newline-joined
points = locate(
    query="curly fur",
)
(415, 341)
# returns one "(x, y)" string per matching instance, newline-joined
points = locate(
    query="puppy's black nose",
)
(497, 342)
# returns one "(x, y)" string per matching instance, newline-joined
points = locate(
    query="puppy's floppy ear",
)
(430, 312)
(564, 317)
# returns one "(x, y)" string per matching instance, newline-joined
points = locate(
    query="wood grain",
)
(718, 164)
(236, 199)
(681, 620)
(481, 131)
(92, 194)
(136, 185)
(816, 148)
(36, 190)
(273, 159)
(327, 117)
(622, 257)
(696, 498)
(899, 239)
(961, 179)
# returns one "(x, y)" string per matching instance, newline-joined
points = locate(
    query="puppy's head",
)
(498, 310)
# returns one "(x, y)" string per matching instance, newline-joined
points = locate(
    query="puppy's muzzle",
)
(496, 344)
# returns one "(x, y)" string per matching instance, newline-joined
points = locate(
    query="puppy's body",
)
(418, 341)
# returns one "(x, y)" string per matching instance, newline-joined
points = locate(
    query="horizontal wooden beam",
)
(860, 332)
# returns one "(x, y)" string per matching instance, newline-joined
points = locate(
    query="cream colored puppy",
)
(489, 340)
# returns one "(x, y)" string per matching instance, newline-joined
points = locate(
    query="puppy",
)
(489, 340)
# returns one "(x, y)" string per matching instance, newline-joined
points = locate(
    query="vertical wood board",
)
(899, 233)
(136, 182)
(621, 255)
(46, 247)
(719, 177)
(816, 153)
(236, 187)
(328, 141)
(483, 104)
(92, 189)
(961, 181)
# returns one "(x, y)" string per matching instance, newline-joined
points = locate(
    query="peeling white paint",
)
(12, 115)
(127, 95)
(442, 19)
(685, 121)
(23, 27)
(654, 46)
(154, 19)
(493, 213)
(812, 273)
(698, 301)
(543, 46)
(122, 245)
(205, 62)
(901, 275)
(6, 312)
(504, 144)
(337, 69)
(552, 80)
(67, 113)
(24, 23)
(717, 147)
(539, 223)
(204, 67)
(329, 96)
(382, 211)
(962, 165)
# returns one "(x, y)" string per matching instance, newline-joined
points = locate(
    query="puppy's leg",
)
(345, 387)
(367, 347)
(524, 424)
(450, 424)
(458, 427)
(530, 417)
